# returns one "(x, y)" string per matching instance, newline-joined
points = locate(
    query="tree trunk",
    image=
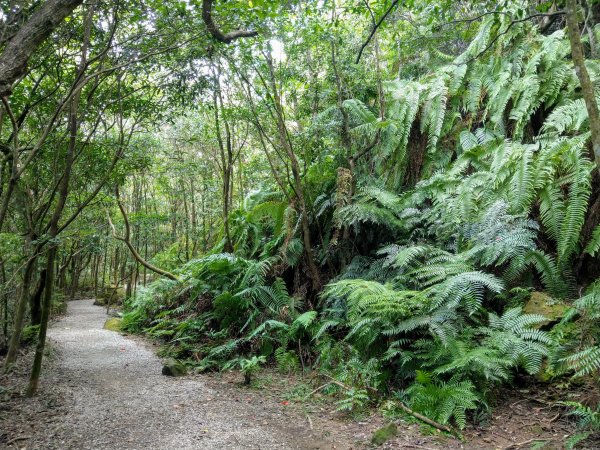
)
(587, 88)
(298, 188)
(53, 229)
(226, 154)
(36, 300)
(127, 240)
(4, 294)
(18, 50)
(15, 339)
(39, 350)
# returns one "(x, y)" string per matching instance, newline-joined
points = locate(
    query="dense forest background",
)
(403, 195)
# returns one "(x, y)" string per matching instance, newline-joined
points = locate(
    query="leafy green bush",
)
(287, 361)
(29, 335)
(248, 366)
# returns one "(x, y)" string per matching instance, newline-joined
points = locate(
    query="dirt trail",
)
(118, 399)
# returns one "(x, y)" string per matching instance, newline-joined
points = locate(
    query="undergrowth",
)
(435, 313)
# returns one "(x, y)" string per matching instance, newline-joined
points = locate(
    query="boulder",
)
(173, 368)
(113, 324)
(384, 434)
(543, 304)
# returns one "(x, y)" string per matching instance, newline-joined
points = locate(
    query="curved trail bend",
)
(118, 399)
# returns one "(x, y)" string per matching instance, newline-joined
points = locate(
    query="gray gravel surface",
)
(116, 398)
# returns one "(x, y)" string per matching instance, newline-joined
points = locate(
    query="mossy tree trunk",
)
(587, 88)
(15, 338)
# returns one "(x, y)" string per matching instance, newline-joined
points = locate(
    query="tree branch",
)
(18, 50)
(427, 420)
(214, 30)
(374, 30)
(127, 241)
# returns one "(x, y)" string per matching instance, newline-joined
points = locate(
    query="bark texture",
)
(214, 30)
(587, 88)
(16, 54)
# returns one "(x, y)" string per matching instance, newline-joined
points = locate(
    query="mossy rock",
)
(542, 304)
(113, 324)
(384, 434)
(173, 368)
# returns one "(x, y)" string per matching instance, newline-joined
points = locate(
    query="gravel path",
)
(103, 391)
(118, 399)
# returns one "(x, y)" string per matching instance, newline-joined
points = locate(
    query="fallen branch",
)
(554, 418)
(529, 441)
(17, 439)
(333, 381)
(404, 445)
(317, 390)
(336, 382)
(342, 385)
(427, 420)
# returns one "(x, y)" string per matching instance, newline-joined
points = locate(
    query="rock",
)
(113, 324)
(173, 368)
(543, 304)
(384, 434)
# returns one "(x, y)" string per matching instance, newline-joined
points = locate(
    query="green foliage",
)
(442, 401)
(579, 353)
(588, 422)
(287, 361)
(29, 335)
(468, 188)
(248, 366)
(353, 400)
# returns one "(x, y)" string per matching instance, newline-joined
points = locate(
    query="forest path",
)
(120, 400)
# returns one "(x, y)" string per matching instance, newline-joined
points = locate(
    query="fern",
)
(443, 401)
(514, 335)
(274, 297)
(593, 244)
(584, 362)
(588, 422)
(287, 361)
(575, 211)
(522, 186)
(467, 288)
(580, 355)
(552, 210)
(434, 111)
